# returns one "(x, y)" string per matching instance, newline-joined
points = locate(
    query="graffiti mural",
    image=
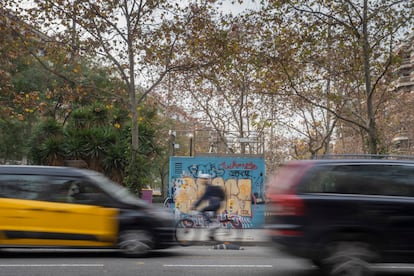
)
(241, 178)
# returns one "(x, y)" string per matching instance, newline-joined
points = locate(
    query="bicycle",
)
(189, 229)
(167, 202)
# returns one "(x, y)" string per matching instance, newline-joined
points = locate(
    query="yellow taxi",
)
(45, 206)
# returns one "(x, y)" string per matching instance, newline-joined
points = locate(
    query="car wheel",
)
(135, 243)
(348, 259)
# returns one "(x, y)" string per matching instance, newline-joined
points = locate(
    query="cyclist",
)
(214, 195)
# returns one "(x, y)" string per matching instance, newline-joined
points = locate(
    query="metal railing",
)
(210, 142)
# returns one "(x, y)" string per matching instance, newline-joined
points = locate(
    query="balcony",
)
(402, 145)
(405, 81)
(407, 64)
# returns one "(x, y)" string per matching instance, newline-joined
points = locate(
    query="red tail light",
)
(290, 233)
(287, 205)
(282, 190)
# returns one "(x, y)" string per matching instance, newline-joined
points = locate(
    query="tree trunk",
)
(372, 129)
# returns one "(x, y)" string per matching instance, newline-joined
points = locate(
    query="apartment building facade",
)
(403, 142)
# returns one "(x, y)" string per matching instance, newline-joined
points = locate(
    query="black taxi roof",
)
(45, 170)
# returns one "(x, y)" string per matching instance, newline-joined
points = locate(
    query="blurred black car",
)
(43, 206)
(344, 215)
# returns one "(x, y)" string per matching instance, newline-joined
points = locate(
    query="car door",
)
(35, 210)
(388, 205)
(399, 191)
(80, 213)
(19, 207)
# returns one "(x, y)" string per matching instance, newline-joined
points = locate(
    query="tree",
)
(19, 86)
(313, 129)
(57, 87)
(140, 39)
(12, 146)
(223, 93)
(349, 42)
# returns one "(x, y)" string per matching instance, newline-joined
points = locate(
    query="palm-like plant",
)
(98, 143)
(91, 137)
(51, 152)
(47, 144)
(81, 118)
(99, 115)
(75, 144)
(114, 162)
(100, 137)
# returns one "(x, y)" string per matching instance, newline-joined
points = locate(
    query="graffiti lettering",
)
(244, 174)
(235, 165)
(210, 168)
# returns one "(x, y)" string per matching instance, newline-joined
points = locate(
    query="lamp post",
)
(191, 135)
(172, 141)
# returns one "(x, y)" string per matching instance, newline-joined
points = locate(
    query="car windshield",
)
(117, 191)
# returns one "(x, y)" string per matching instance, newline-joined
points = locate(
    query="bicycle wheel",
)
(228, 231)
(184, 232)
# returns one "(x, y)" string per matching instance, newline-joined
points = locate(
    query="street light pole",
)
(172, 141)
(191, 135)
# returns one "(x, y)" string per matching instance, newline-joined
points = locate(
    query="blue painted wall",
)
(243, 179)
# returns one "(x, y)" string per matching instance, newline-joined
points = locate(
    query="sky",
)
(236, 7)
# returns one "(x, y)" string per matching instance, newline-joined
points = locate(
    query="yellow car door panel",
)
(30, 222)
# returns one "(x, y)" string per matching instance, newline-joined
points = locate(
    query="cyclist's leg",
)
(213, 206)
(208, 222)
(206, 213)
(214, 224)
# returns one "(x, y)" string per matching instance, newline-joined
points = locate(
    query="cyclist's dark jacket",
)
(214, 195)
